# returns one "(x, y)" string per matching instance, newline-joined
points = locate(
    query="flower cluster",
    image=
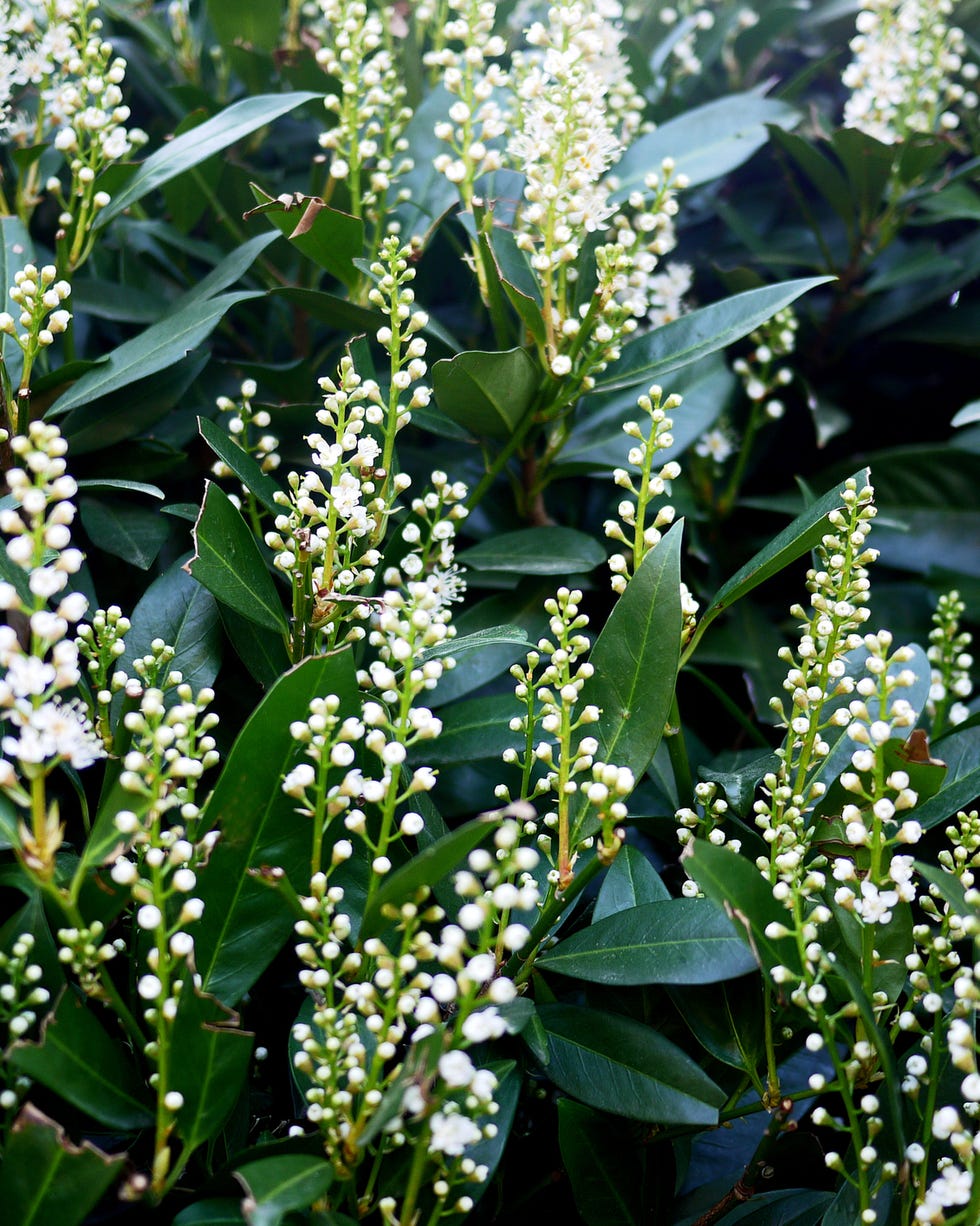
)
(392, 1018)
(336, 514)
(951, 662)
(552, 766)
(908, 71)
(21, 995)
(38, 295)
(633, 511)
(43, 729)
(67, 83)
(564, 143)
(762, 371)
(645, 229)
(367, 146)
(476, 120)
(819, 685)
(413, 621)
(688, 20)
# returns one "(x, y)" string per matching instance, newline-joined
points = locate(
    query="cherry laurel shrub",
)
(468, 749)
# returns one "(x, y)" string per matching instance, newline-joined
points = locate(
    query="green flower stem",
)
(420, 1158)
(520, 965)
(679, 763)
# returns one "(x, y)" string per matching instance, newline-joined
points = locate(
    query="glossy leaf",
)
(705, 142)
(228, 563)
(679, 940)
(727, 1020)
(801, 535)
(619, 1065)
(124, 529)
(331, 239)
(219, 1212)
(159, 346)
(473, 729)
(214, 1059)
(597, 440)
(245, 920)
(737, 885)
(115, 417)
(605, 1165)
(630, 881)
(185, 615)
(245, 468)
(488, 393)
(234, 123)
(635, 661)
(647, 358)
(277, 1185)
(77, 1058)
(428, 866)
(474, 668)
(45, 1178)
(479, 641)
(536, 551)
(263, 654)
(821, 171)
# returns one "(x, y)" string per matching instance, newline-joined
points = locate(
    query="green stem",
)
(677, 750)
(520, 966)
(412, 1188)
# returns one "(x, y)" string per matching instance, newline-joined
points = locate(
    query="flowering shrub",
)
(418, 421)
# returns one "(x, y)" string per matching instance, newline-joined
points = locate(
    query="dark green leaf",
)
(785, 1207)
(212, 1064)
(262, 653)
(705, 142)
(488, 393)
(196, 146)
(630, 881)
(597, 439)
(245, 920)
(647, 358)
(184, 614)
(679, 940)
(132, 533)
(801, 535)
(277, 1185)
(622, 1066)
(868, 164)
(603, 1163)
(119, 416)
(245, 468)
(727, 1020)
(822, 172)
(635, 661)
(473, 729)
(331, 239)
(228, 563)
(479, 640)
(92, 1071)
(45, 1178)
(536, 551)
(161, 345)
(223, 1212)
(738, 886)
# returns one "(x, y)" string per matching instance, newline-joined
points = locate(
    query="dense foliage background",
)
(751, 211)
